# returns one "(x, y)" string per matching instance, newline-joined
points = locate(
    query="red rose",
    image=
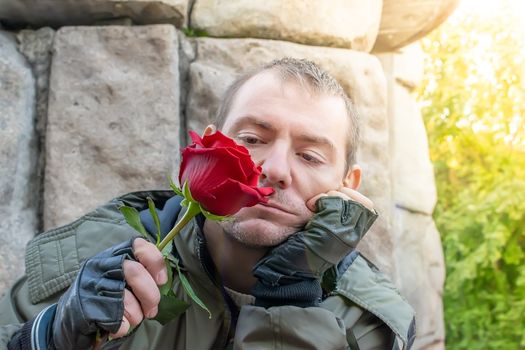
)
(221, 174)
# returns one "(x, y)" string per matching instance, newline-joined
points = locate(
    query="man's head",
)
(311, 77)
(302, 129)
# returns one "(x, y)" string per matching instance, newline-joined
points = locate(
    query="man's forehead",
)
(310, 136)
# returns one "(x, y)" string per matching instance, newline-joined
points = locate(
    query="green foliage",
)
(473, 99)
(155, 216)
(132, 217)
(189, 290)
(170, 308)
(194, 33)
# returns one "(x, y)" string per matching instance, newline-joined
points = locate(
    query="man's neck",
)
(234, 260)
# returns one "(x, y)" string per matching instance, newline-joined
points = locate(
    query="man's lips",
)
(276, 206)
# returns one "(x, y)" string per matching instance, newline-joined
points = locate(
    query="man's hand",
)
(142, 296)
(344, 192)
(290, 273)
(113, 291)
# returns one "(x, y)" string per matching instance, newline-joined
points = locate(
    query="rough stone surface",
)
(56, 13)
(420, 262)
(187, 54)
(349, 24)
(18, 211)
(413, 173)
(218, 63)
(36, 47)
(113, 118)
(407, 65)
(405, 21)
(419, 255)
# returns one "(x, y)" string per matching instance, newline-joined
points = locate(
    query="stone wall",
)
(100, 105)
(418, 251)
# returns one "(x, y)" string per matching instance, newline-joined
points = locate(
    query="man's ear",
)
(353, 177)
(210, 129)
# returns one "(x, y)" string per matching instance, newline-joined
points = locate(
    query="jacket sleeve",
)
(11, 320)
(16, 310)
(52, 261)
(6, 332)
(290, 327)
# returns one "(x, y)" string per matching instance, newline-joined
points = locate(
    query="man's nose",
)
(276, 167)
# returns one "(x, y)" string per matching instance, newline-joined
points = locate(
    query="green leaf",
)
(212, 216)
(172, 260)
(186, 192)
(132, 217)
(174, 187)
(170, 307)
(167, 287)
(191, 32)
(155, 216)
(187, 287)
(166, 252)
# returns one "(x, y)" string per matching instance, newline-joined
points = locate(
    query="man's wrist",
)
(338, 226)
(306, 293)
(35, 334)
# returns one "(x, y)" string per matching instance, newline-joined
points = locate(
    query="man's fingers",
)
(132, 315)
(345, 193)
(132, 310)
(143, 286)
(311, 202)
(151, 258)
(123, 330)
(358, 197)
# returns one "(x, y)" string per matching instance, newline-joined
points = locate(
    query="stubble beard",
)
(262, 237)
(265, 233)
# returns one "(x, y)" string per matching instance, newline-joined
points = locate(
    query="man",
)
(279, 275)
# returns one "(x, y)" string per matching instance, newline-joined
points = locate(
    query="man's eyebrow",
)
(307, 138)
(249, 119)
(320, 140)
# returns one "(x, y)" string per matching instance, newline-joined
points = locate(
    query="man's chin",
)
(257, 233)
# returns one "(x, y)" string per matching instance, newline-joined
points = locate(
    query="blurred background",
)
(473, 103)
(97, 96)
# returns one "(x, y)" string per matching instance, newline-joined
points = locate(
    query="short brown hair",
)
(310, 76)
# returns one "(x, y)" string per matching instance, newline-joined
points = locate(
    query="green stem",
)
(193, 209)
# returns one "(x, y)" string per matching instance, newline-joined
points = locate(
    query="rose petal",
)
(221, 174)
(211, 165)
(265, 191)
(196, 138)
(231, 196)
(219, 140)
(253, 178)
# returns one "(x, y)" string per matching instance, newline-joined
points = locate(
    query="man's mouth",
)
(276, 207)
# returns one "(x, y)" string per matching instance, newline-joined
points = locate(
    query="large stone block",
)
(352, 24)
(405, 21)
(56, 13)
(421, 268)
(220, 61)
(413, 174)
(113, 118)
(36, 46)
(406, 65)
(18, 186)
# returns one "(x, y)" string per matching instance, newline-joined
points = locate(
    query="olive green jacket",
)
(362, 308)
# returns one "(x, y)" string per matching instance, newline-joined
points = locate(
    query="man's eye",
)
(249, 140)
(309, 158)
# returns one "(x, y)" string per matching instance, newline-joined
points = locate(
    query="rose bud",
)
(221, 175)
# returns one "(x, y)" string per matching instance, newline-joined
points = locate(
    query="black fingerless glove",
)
(95, 301)
(290, 273)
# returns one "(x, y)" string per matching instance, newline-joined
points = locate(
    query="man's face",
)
(299, 140)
